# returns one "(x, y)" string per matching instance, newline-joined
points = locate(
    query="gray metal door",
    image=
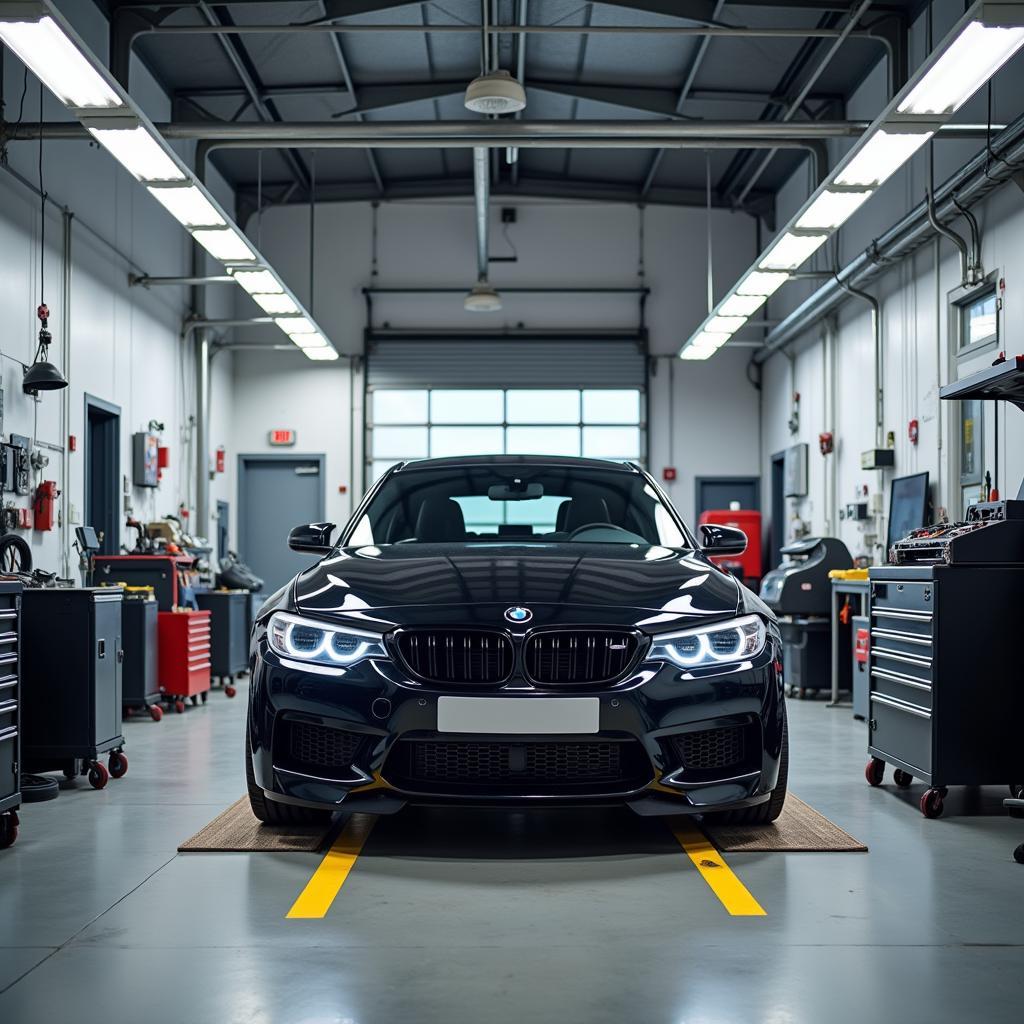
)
(276, 493)
(718, 492)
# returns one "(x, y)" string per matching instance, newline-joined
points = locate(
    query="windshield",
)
(520, 503)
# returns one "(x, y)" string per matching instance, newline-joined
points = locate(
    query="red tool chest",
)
(748, 564)
(184, 660)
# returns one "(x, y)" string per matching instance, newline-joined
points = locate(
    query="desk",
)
(857, 591)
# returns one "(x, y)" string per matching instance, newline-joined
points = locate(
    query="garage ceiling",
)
(300, 74)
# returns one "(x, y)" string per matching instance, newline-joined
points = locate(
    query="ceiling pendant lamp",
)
(495, 92)
(42, 375)
(482, 298)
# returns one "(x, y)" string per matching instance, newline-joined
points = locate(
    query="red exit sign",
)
(282, 438)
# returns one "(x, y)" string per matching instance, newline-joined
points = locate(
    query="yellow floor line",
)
(315, 900)
(734, 895)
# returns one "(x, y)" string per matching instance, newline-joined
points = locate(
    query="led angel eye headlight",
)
(736, 640)
(301, 639)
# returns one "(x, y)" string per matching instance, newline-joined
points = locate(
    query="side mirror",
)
(314, 538)
(722, 540)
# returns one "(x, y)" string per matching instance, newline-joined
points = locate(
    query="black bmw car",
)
(510, 630)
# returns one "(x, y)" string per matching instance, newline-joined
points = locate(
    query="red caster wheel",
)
(98, 776)
(156, 712)
(118, 764)
(931, 803)
(229, 691)
(179, 707)
(128, 712)
(8, 829)
(901, 778)
(874, 771)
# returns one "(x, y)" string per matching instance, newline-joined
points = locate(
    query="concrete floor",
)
(461, 916)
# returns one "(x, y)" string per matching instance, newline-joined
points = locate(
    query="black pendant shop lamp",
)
(42, 375)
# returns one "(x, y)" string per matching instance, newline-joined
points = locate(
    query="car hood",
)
(428, 584)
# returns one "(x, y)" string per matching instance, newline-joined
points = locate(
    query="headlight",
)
(735, 640)
(292, 636)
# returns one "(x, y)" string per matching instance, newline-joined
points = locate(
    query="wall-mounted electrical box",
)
(878, 458)
(794, 471)
(145, 460)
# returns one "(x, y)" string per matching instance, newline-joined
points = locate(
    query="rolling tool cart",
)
(184, 663)
(229, 633)
(799, 592)
(945, 696)
(10, 768)
(71, 682)
(140, 686)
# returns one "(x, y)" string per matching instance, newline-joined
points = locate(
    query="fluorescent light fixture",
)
(832, 209)
(263, 281)
(320, 353)
(188, 206)
(881, 157)
(277, 303)
(225, 244)
(724, 324)
(704, 345)
(973, 58)
(296, 325)
(314, 340)
(741, 305)
(57, 62)
(761, 282)
(137, 152)
(791, 250)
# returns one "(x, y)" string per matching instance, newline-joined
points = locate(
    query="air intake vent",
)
(712, 748)
(317, 746)
(579, 656)
(457, 656)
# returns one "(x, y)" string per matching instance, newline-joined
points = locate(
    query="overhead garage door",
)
(538, 397)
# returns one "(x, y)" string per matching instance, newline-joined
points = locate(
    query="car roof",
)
(516, 460)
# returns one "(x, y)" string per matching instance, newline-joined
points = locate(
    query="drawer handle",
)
(898, 677)
(898, 705)
(921, 662)
(193, 669)
(9, 734)
(907, 638)
(8, 659)
(888, 613)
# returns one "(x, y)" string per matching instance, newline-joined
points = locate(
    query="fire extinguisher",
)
(44, 505)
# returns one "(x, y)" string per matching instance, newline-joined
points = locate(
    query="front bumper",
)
(668, 741)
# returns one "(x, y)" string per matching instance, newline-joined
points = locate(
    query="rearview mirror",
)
(314, 538)
(722, 540)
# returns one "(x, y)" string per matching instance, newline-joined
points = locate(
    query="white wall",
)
(124, 343)
(714, 407)
(915, 321)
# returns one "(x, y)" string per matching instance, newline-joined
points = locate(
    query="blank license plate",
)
(518, 715)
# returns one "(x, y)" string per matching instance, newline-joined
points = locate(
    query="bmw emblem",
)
(518, 614)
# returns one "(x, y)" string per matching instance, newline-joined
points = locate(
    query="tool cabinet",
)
(184, 662)
(10, 711)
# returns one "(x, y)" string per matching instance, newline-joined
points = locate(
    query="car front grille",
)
(593, 656)
(318, 746)
(503, 767)
(712, 748)
(456, 656)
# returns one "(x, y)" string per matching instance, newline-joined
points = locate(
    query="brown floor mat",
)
(800, 828)
(236, 830)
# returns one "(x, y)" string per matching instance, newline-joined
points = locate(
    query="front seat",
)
(584, 511)
(440, 521)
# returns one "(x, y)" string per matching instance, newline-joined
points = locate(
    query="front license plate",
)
(518, 715)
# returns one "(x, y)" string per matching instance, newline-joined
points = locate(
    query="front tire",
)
(270, 812)
(766, 813)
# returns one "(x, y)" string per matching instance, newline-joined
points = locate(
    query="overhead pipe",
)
(973, 182)
(876, 337)
(481, 196)
(966, 270)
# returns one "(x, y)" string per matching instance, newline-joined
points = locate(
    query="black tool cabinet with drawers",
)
(946, 688)
(10, 711)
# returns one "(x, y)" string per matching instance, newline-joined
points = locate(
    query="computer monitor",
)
(908, 506)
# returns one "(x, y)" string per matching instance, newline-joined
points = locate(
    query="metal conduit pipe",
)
(481, 196)
(972, 183)
(876, 337)
(941, 229)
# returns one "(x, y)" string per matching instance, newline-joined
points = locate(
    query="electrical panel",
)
(794, 471)
(145, 460)
(20, 445)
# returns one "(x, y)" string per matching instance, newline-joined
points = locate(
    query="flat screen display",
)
(908, 506)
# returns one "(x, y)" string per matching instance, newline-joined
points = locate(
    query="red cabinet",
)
(184, 661)
(747, 566)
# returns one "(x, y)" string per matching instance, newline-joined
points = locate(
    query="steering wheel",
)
(595, 526)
